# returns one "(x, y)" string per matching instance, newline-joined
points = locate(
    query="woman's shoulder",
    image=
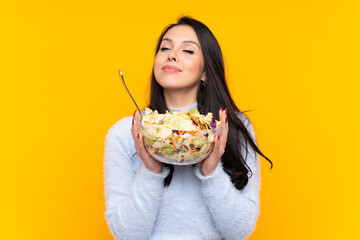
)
(244, 119)
(121, 127)
(248, 124)
(119, 139)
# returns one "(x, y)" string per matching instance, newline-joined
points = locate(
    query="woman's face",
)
(179, 63)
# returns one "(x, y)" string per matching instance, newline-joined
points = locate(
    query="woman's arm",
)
(234, 212)
(132, 199)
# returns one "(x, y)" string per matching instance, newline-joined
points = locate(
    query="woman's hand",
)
(150, 163)
(208, 165)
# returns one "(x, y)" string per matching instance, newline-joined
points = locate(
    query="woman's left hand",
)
(209, 164)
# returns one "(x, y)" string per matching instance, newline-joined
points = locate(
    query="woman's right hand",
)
(150, 163)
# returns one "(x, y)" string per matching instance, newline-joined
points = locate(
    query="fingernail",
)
(219, 137)
(221, 108)
(138, 135)
(225, 111)
(134, 113)
(133, 121)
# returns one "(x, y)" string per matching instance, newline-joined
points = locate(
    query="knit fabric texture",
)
(192, 207)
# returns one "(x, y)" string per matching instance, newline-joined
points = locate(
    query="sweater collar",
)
(182, 108)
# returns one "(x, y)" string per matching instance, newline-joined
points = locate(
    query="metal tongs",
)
(123, 81)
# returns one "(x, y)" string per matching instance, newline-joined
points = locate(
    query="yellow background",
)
(294, 63)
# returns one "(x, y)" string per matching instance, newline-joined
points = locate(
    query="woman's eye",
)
(189, 51)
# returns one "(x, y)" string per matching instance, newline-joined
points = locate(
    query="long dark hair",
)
(210, 98)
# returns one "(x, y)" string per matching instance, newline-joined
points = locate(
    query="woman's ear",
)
(203, 77)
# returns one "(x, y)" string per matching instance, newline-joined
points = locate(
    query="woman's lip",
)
(171, 69)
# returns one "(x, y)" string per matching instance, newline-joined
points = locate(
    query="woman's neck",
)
(180, 98)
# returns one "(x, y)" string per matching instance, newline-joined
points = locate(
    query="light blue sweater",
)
(192, 207)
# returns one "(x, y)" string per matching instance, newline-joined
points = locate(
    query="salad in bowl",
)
(179, 138)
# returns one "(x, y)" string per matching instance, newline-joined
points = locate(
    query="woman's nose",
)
(172, 56)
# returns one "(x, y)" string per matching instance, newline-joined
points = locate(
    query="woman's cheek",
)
(196, 67)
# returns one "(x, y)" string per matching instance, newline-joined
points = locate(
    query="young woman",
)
(217, 198)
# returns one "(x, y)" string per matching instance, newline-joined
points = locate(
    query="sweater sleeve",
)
(132, 198)
(234, 211)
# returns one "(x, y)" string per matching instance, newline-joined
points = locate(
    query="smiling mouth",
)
(169, 70)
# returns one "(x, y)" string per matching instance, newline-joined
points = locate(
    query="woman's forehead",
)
(181, 34)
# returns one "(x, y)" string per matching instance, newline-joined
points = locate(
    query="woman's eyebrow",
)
(186, 41)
